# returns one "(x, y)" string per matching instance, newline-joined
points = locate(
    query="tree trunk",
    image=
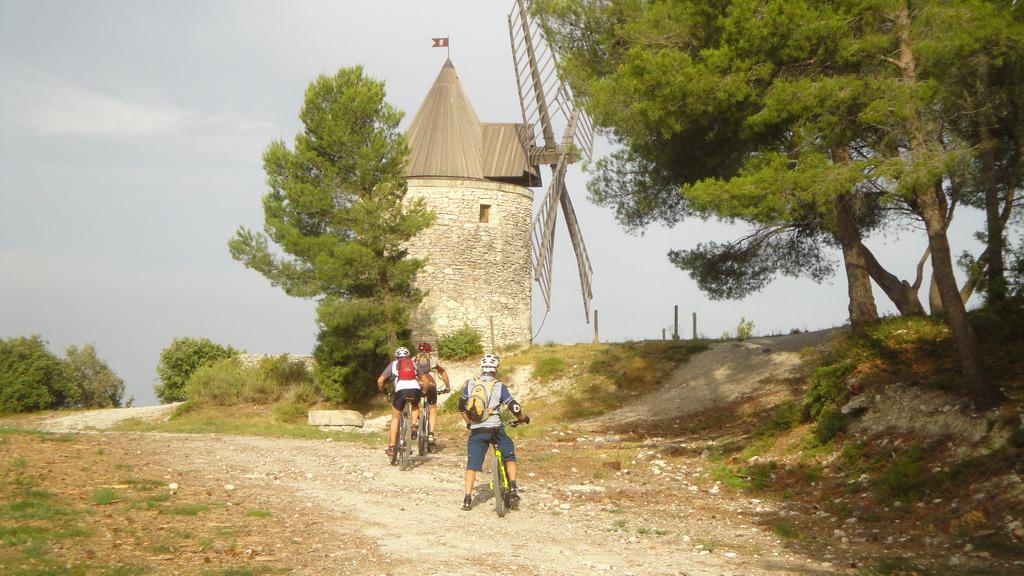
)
(934, 300)
(902, 294)
(929, 204)
(858, 282)
(994, 272)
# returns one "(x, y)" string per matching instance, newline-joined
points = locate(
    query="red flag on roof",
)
(440, 42)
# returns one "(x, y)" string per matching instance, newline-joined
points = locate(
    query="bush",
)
(31, 377)
(460, 344)
(180, 360)
(97, 385)
(830, 423)
(221, 383)
(226, 382)
(745, 329)
(828, 387)
(549, 368)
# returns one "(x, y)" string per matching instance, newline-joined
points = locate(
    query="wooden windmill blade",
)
(544, 231)
(546, 101)
(582, 258)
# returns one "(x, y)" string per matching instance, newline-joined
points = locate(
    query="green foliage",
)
(103, 496)
(828, 388)
(32, 378)
(904, 476)
(745, 329)
(180, 360)
(98, 386)
(226, 383)
(830, 423)
(336, 209)
(548, 368)
(220, 383)
(460, 344)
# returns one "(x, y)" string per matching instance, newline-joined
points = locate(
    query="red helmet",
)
(424, 347)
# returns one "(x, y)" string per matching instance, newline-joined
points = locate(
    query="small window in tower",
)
(485, 213)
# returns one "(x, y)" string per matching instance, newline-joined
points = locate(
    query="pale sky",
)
(131, 136)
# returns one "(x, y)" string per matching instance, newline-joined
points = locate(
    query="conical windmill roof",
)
(446, 137)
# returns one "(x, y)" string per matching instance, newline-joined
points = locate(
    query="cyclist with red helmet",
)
(407, 380)
(425, 364)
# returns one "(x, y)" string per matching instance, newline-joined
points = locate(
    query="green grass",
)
(249, 420)
(548, 368)
(103, 496)
(728, 477)
(186, 509)
(785, 530)
(257, 513)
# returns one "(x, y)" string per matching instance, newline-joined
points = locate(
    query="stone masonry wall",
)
(474, 271)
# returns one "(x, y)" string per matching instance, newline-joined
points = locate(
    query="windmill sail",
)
(546, 101)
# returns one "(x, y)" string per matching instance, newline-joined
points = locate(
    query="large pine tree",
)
(814, 122)
(336, 209)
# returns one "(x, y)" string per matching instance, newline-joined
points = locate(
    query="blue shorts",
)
(480, 439)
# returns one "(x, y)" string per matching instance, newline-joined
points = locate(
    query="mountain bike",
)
(402, 454)
(423, 427)
(499, 475)
(403, 451)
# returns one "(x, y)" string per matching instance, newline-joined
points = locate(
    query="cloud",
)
(61, 109)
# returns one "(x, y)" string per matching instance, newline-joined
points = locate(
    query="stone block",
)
(335, 418)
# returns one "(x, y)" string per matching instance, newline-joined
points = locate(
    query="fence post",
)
(694, 325)
(597, 337)
(662, 333)
(675, 329)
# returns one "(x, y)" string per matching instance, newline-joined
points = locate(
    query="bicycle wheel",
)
(421, 439)
(498, 485)
(405, 433)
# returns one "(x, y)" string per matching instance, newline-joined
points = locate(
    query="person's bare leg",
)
(432, 415)
(395, 414)
(510, 470)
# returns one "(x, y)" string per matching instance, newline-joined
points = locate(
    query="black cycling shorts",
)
(398, 402)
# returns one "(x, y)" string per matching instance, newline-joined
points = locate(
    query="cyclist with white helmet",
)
(406, 377)
(486, 427)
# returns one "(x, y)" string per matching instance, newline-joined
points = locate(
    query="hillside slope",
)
(727, 372)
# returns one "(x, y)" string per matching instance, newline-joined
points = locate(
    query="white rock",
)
(729, 554)
(172, 486)
(564, 506)
(367, 474)
(310, 476)
(837, 533)
(229, 487)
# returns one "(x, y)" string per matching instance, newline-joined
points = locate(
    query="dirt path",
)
(593, 503)
(356, 515)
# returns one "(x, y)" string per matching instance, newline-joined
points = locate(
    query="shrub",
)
(828, 386)
(221, 383)
(98, 386)
(31, 377)
(460, 344)
(830, 423)
(745, 329)
(548, 368)
(180, 360)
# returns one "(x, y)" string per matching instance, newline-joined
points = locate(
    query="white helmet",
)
(489, 363)
(402, 352)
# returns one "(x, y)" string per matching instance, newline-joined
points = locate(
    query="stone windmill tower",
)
(486, 245)
(476, 177)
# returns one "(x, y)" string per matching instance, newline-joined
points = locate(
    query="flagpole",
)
(449, 46)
